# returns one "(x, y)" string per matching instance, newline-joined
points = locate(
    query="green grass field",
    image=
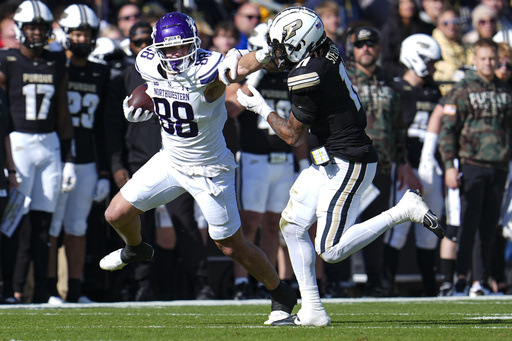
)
(352, 319)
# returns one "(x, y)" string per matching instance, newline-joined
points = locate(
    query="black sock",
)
(52, 286)
(74, 290)
(447, 269)
(141, 252)
(283, 298)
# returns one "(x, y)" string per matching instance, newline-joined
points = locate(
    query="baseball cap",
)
(366, 34)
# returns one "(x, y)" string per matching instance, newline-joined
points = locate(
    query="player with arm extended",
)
(325, 103)
(189, 99)
(36, 81)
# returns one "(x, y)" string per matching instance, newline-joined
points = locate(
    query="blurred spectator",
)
(484, 21)
(8, 34)
(386, 128)
(478, 134)
(152, 11)
(204, 31)
(329, 12)
(403, 20)
(504, 68)
(349, 10)
(246, 18)
(127, 15)
(455, 55)
(225, 37)
(431, 11)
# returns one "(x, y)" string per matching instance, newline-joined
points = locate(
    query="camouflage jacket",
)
(477, 123)
(385, 123)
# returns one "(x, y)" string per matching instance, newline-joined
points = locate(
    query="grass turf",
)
(352, 319)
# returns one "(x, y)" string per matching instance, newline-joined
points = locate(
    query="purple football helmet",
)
(175, 29)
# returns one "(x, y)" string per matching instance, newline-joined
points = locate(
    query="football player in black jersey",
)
(325, 103)
(419, 53)
(87, 88)
(35, 80)
(266, 165)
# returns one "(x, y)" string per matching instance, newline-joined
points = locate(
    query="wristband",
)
(11, 171)
(262, 56)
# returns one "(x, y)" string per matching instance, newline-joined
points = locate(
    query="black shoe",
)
(446, 289)
(335, 290)
(144, 294)
(377, 291)
(241, 292)
(206, 293)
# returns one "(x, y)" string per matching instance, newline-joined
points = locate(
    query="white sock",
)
(358, 236)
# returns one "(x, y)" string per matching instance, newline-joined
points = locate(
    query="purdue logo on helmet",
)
(294, 33)
(33, 12)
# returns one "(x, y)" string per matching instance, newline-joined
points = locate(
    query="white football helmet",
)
(32, 12)
(79, 17)
(294, 33)
(258, 37)
(417, 50)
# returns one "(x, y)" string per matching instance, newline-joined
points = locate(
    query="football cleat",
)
(276, 316)
(112, 261)
(412, 207)
(313, 317)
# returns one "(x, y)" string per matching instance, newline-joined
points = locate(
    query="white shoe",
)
(112, 261)
(55, 300)
(478, 289)
(85, 299)
(413, 208)
(317, 318)
(277, 315)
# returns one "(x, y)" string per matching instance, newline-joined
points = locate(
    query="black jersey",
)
(31, 87)
(417, 106)
(324, 98)
(256, 135)
(128, 145)
(87, 89)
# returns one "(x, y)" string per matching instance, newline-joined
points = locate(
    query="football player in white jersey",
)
(189, 100)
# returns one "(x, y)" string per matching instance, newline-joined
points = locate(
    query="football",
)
(140, 99)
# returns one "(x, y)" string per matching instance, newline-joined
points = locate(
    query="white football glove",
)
(230, 62)
(68, 177)
(133, 115)
(255, 103)
(429, 167)
(263, 55)
(102, 190)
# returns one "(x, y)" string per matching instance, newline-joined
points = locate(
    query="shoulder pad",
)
(205, 69)
(302, 77)
(147, 64)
